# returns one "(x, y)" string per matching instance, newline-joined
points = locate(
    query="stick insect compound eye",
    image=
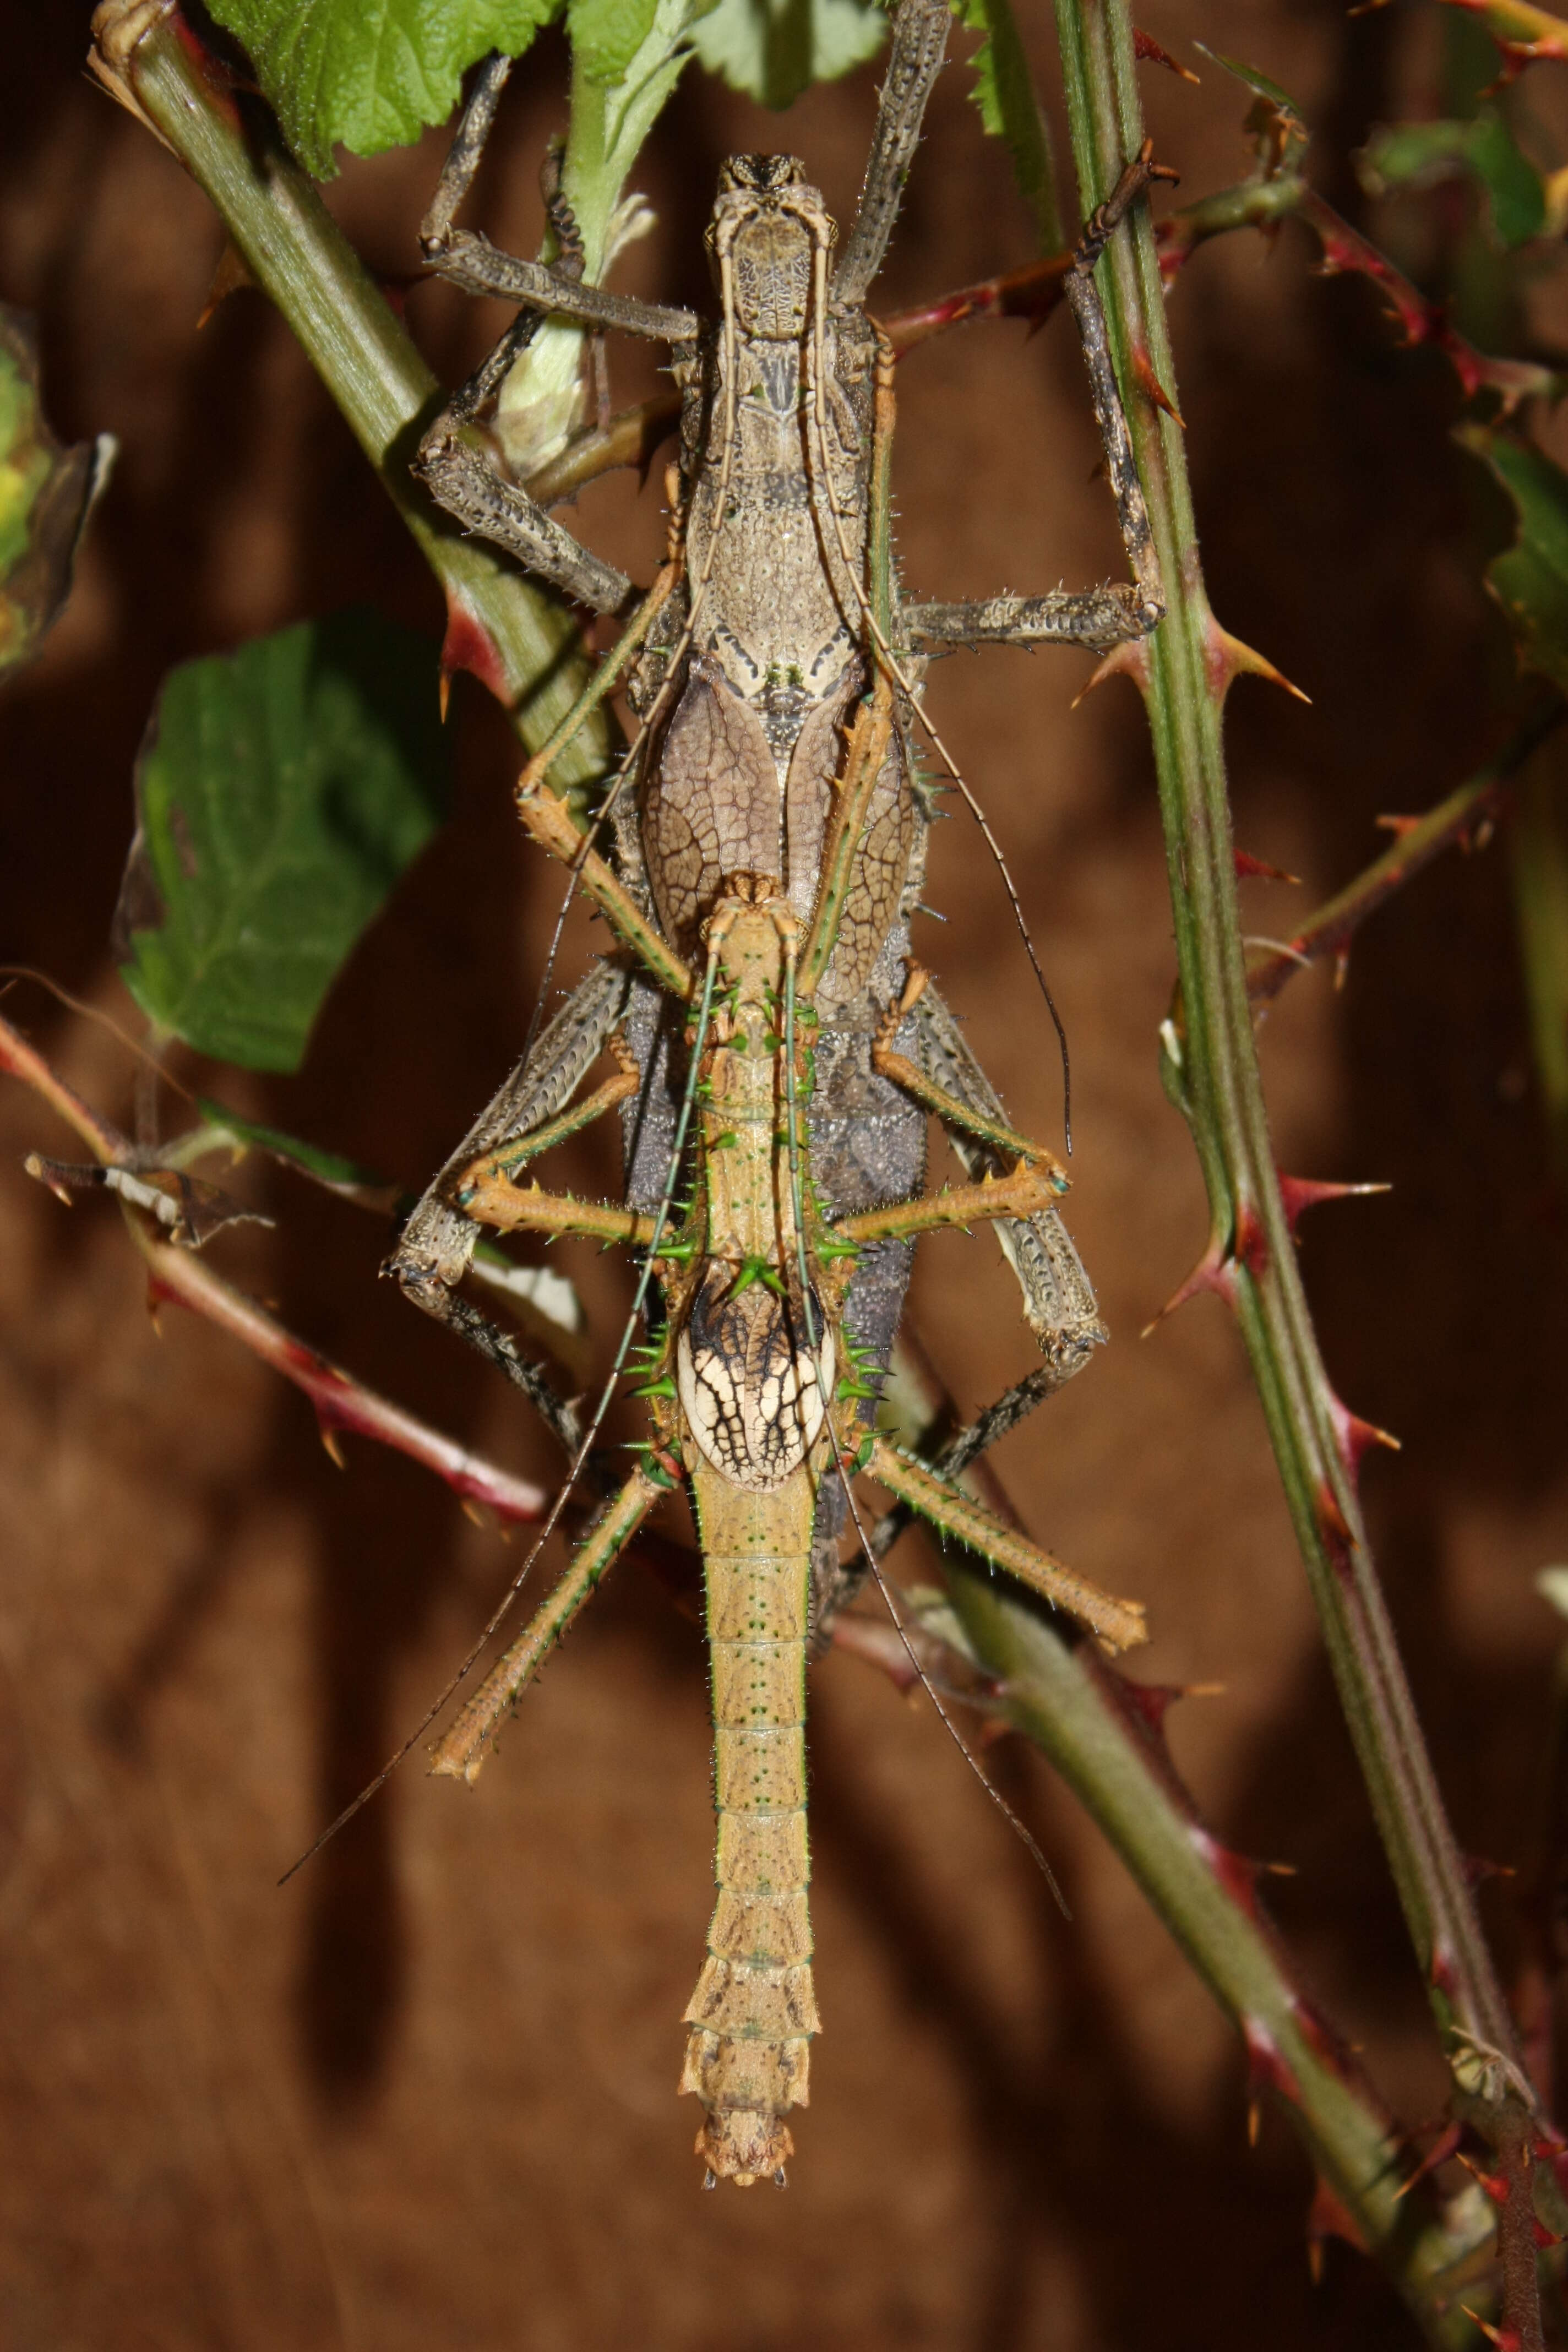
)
(761, 174)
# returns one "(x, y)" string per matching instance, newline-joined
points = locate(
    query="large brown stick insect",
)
(776, 1051)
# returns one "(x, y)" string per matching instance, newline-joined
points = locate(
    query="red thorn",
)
(1507, 2339)
(1397, 825)
(1250, 1247)
(1445, 2145)
(1215, 1270)
(1153, 1701)
(1445, 1975)
(1128, 660)
(1354, 1436)
(329, 1436)
(1496, 2185)
(1330, 2218)
(1332, 1524)
(1235, 1871)
(1247, 865)
(1144, 46)
(1267, 2069)
(1477, 1868)
(1227, 659)
(397, 291)
(1301, 1192)
(467, 644)
(231, 274)
(1149, 384)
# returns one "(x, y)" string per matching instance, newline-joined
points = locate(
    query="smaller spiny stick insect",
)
(777, 1050)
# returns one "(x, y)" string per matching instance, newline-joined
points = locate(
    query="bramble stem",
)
(340, 1401)
(1538, 846)
(525, 646)
(1098, 1732)
(1211, 1073)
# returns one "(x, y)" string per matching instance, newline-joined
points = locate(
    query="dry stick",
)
(1213, 1075)
(340, 1401)
(1100, 1731)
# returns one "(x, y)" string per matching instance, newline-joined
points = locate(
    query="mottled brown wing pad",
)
(712, 804)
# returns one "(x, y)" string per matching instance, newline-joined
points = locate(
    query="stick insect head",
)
(768, 224)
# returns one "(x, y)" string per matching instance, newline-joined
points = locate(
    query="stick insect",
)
(776, 1052)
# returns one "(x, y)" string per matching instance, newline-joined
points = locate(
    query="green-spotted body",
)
(753, 1366)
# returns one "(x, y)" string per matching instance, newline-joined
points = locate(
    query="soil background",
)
(425, 2095)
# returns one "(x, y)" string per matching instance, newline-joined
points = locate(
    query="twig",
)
(1418, 841)
(342, 1402)
(1270, 198)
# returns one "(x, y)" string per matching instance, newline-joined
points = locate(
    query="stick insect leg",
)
(919, 42)
(1058, 1299)
(550, 822)
(437, 1244)
(1022, 1193)
(462, 1752)
(1096, 617)
(456, 460)
(967, 1445)
(1116, 1624)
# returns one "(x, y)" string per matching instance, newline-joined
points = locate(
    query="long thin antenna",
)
(818, 413)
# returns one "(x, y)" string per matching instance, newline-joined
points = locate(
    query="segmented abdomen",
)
(753, 2012)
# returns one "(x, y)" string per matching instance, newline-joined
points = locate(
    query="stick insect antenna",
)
(818, 413)
(553, 1519)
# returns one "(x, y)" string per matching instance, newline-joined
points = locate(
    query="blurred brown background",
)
(425, 2095)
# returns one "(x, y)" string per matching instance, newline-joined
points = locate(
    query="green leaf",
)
(607, 34)
(1276, 121)
(1530, 578)
(281, 792)
(772, 49)
(329, 1168)
(1415, 154)
(46, 496)
(371, 74)
(1011, 111)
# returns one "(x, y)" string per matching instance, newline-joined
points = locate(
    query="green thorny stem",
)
(1210, 1069)
(510, 634)
(1103, 1733)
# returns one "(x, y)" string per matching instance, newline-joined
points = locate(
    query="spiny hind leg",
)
(462, 1752)
(1116, 1624)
